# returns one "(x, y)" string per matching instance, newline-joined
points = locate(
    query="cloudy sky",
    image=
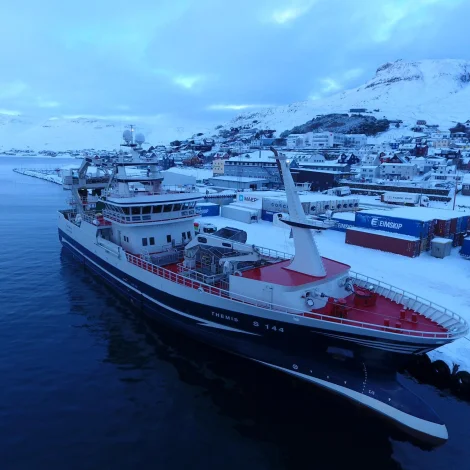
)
(205, 60)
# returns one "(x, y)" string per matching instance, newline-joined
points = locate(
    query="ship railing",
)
(165, 190)
(225, 293)
(275, 254)
(452, 321)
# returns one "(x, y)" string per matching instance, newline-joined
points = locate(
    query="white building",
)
(218, 166)
(371, 159)
(403, 171)
(295, 141)
(355, 140)
(369, 172)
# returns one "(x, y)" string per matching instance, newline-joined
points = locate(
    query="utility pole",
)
(456, 187)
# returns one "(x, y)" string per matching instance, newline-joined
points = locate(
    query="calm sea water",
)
(86, 383)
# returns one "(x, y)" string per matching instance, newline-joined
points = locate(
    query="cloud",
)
(291, 12)
(9, 112)
(204, 61)
(12, 89)
(235, 107)
(188, 81)
(42, 103)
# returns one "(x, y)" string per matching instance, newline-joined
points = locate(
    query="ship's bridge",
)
(151, 208)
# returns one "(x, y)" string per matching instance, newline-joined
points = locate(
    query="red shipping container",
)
(442, 228)
(384, 241)
(453, 226)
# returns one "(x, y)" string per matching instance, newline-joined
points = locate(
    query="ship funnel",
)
(307, 259)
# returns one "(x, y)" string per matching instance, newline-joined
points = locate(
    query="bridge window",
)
(135, 210)
(157, 209)
(126, 210)
(167, 207)
(177, 207)
(146, 209)
(202, 239)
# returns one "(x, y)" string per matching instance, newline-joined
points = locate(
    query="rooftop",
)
(238, 179)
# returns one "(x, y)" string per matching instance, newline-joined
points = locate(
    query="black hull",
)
(299, 353)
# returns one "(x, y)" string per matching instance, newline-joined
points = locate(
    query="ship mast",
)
(307, 259)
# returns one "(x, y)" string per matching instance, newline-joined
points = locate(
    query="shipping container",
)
(312, 207)
(207, 209)
(462, 224)
(465, 250)
(267, 215)
(453, 226)
(340, 224)
(414, 228)
(241, 214)
(442, 228)
(457, 239)
(404, 245)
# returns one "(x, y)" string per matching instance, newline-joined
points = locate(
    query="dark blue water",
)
(86, 383)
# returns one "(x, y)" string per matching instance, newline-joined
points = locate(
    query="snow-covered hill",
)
(435, 90)
(59, 134)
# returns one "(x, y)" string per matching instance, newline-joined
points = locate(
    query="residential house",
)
(218, 167)
(369, 172)
(254, 165)
(398, 171)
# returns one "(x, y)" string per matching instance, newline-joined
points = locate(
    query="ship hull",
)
(363, 374)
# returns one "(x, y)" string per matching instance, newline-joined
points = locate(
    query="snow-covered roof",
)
(237, 179)
(416, 213)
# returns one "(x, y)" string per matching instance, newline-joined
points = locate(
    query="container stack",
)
(422, 223)
(313, 204)
(465, 250)
(399, 244)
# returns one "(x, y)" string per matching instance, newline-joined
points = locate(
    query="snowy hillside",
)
(58, 134)
(435, 90)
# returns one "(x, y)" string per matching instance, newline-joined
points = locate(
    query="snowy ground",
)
(442, 281)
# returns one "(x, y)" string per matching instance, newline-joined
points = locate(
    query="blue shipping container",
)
(415, 228)
(341, 225)
(462, 224)
(465, 250)
(208, 210)
(267, 215)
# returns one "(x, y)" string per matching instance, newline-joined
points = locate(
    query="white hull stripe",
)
(378, 344)
(199, 320)
(435, 430)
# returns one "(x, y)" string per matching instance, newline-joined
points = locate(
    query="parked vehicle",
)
(405, 199)
(203, 227)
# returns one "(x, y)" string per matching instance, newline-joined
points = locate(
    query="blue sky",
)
(206, 60)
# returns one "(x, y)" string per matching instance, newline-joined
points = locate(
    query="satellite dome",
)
(139, 138)
(127, 136)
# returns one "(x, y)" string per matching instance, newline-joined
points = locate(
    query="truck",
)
(204, 227)
(405, 199)
(338, 191)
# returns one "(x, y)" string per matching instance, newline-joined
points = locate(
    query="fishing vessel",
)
(304, 315)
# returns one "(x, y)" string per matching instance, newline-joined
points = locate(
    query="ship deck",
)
(384, 309)
(370, 317)
(279, 273)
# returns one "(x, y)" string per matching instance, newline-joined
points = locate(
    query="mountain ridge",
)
(433, 90)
